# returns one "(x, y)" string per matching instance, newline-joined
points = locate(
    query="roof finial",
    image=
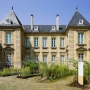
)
(76, 8)
(12, 7)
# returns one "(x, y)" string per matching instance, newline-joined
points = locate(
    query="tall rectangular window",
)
(36, 58)
(62, 57)
(44, 42)
(80, 38)
(35, 42)
(53, 58)
(53, 42)
(27, 42)
(44, 58)
(80, 57)
(27, 57)
(8, 38)
(61, 42)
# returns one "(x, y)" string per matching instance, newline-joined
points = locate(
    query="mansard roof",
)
(45, 28)
(12, 17)
(75, 20)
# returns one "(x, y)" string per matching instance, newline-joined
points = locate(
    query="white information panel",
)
(80, 68)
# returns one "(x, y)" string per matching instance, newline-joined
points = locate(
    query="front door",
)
(8, 59)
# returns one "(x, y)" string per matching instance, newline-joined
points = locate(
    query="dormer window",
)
(36, 28)
(53, 27)
(80, 21)
(8, 21)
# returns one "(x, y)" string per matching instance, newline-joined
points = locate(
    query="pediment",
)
(81, 49)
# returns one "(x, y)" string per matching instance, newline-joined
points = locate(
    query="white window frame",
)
(81, 57)
(53, 42)
(27, 42)
(9, 59)
(27, 57)
(80, 21)
(35, 27)
(62, 58)
(53, 28)
(45, 58)
(8, 38)
(44, 42)
(62, 42)
(36, 58)
(53, 58)
(35, 42)
(80, 38)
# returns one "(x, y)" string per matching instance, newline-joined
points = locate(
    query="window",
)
(61, 42)
(80, 38)
(80, 21)
(27, 42)
(53, 27)
(36, 57)
(8, 21)
(8, 38)
(53, 42)
(27, 57)
(80, 57)
(44, 42)
(35, 42)
(53, 58)
(9, 59)
(44, 58)
(62, 57)
(36, 28)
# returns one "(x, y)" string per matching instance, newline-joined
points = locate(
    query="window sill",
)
(81, 44)
(62, 47)
(36, 47)
(53, 47)
(45, 47)
(27, 47)
(8, 44)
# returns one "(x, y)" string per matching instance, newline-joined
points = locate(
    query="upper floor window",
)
(35, 42)
(53, 42)
(36, 58)
(80, 57)
(27, 57)
(80, 21)
(53, 27)
(44, 42)
(8, 38)
(80, 38)
(35, 27)
(53, 58)
(8, 21)
(27, 42)
(61, 42)
(44, 58)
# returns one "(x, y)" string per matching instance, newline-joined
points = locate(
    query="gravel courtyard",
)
(13, 83)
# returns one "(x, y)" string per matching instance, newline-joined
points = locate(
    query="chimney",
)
(57, 22)
(32, 22)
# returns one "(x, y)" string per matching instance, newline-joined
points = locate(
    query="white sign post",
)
(80, 73)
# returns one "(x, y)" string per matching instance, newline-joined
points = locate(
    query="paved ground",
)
(13, 83)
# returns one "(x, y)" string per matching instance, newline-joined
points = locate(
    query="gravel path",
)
(13, 83)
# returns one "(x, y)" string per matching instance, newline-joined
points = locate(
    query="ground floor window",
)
(80, 57)
(27, 57)
(53, 58)
(44, 58)
(36, 57)
(9, 59)
(62, 58)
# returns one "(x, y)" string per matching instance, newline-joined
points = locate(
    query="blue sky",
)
(45, 11)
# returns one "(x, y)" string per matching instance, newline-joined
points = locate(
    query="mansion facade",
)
(44, 43)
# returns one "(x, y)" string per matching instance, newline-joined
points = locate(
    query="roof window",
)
(8, 21)
(36, 28)
(80, 21)
(53, 27)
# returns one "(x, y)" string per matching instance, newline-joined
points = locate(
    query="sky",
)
(45, 11)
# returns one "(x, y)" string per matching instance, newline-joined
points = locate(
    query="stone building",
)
(44, 43)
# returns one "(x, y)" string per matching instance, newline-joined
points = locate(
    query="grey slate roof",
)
(75, 20)
(45, 28)
(13, 18)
